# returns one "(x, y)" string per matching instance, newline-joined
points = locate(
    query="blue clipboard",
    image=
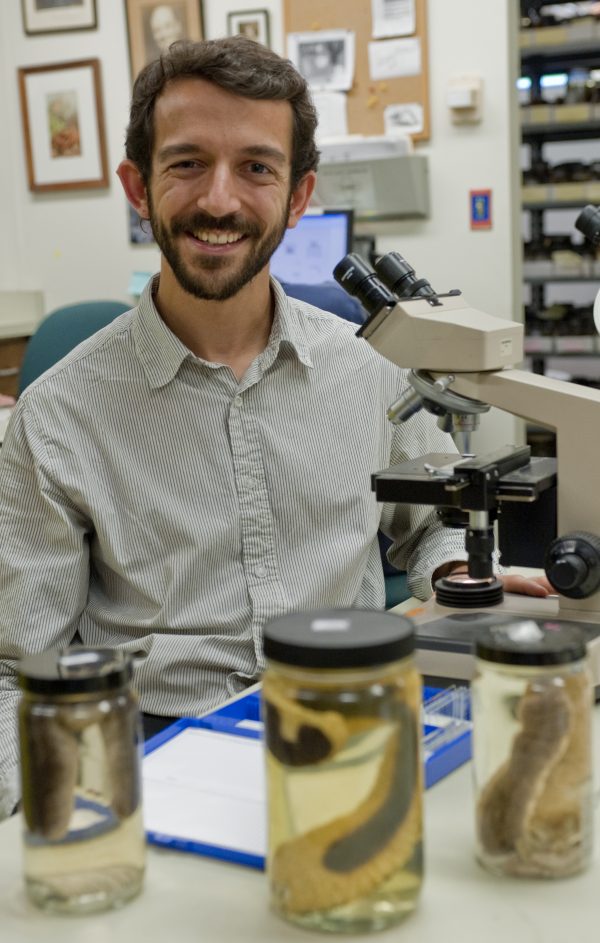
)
(446, 745)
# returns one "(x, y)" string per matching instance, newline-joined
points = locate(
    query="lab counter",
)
(190, 899)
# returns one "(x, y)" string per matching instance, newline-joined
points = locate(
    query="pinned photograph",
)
(63, 126)
(325, 58)
(253, 24)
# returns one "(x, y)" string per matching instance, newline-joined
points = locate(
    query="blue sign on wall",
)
(481, 209)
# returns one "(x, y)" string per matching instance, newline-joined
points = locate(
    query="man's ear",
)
(301, 198)
(134, 187)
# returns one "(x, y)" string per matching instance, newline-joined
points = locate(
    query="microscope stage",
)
(445, 637)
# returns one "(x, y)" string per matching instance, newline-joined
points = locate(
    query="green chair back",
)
(61, 331)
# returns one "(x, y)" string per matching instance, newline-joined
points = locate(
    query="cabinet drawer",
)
(11, 355)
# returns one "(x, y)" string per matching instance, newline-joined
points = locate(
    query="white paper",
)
(207, 787)
(390, 58)
(324, 57)
(393, 17)
(403, 118)
(333, 115)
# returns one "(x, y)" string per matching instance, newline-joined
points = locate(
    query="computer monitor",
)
(310, 251)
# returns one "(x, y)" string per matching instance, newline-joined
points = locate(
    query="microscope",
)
(545, 511)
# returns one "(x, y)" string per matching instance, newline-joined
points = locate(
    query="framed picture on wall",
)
(63, 126)
(56, 16)
(254, 24)
(153, 26)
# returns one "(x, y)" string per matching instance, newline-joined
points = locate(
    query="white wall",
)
(76, 245)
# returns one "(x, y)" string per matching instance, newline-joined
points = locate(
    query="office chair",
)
(330, 297)
(61, 331)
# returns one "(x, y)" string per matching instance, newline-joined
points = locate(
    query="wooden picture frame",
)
(152, 26)
(63, 126)
(58, 16)
(254, 24)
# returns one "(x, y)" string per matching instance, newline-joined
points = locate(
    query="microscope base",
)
(445, 636)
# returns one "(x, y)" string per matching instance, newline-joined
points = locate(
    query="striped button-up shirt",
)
(151, 501)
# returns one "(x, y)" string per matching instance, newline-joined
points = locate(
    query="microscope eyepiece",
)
(588, 222)
(399, 276)
(358, 279)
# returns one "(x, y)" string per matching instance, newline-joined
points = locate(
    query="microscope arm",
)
(574, 413)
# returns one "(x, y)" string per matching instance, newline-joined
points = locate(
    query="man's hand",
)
(512, 582)
(526, 585)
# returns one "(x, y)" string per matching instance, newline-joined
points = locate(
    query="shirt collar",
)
(161, 353)
(289, 327)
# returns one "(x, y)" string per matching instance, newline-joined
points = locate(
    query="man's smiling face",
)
(220, 196)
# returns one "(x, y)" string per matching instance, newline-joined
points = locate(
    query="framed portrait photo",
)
(57, 16)
(254, 24)
(63, 126)
(152, 27)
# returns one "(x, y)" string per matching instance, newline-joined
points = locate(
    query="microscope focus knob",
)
(572, 564)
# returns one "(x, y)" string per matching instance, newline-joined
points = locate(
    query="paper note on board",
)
(332, 112)
(391, 58)
(403, 118)
(392, 18)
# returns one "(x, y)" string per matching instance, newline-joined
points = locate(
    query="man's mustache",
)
(199, 221)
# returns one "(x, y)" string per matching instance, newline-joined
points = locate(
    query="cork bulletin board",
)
(366, 99)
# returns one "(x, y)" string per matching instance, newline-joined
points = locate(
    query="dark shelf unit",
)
(555, 131)
(547, 279)
(553, 205)
(537, 60)
(572, 50)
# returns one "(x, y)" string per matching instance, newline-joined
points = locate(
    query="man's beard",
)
(199, 280)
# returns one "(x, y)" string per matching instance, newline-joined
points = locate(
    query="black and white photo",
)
(324, 57)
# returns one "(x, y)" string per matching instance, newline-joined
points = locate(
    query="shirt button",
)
(260, 571)
(237, 401)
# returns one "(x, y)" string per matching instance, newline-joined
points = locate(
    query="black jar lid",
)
(75, 670)
(338, 638)
(531, 642)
